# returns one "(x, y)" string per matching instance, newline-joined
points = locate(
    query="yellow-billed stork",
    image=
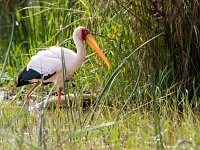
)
(48, 65)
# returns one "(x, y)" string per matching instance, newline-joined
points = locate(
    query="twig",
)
(134, 15)
(177, 12)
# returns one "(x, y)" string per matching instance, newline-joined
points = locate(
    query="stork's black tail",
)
(25, 76)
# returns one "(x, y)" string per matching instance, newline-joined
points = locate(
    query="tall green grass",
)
(139, 104)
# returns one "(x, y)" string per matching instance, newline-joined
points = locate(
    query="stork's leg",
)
(31, 90)
(58, 104)
(27, 96)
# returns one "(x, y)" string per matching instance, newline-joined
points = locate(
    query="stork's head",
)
(84, 34)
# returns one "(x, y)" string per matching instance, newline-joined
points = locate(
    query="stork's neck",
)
(81, 50)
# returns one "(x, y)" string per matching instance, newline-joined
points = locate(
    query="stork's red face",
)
(84, 33)
(86, 36)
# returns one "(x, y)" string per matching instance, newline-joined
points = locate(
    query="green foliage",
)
(147, 100)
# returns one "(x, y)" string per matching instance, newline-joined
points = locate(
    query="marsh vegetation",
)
(149, 99)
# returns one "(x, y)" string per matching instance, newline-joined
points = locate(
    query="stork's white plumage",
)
(47, 66)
